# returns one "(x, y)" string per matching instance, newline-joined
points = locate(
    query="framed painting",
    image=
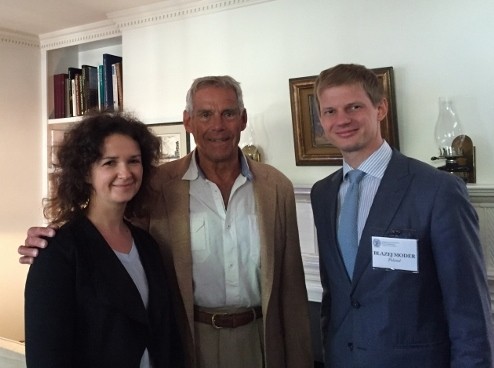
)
(175, 141)
(56, 134)
(311, 147)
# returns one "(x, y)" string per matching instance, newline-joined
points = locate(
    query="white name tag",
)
(395, 253)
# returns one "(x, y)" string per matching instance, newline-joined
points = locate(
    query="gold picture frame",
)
(311, 148)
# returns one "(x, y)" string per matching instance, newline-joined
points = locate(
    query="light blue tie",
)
(348, 225)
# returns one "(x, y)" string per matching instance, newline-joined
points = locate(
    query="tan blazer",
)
(284, 295)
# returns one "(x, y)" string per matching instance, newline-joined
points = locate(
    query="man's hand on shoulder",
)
(34, 241)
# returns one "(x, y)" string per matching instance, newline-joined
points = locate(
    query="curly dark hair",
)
(81, 148)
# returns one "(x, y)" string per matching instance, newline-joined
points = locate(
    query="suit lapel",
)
(329, 208)
(394, 186)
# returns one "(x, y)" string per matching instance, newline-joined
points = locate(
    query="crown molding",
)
(79, 35)
(18, 39)
(169, 11)
(162, 12)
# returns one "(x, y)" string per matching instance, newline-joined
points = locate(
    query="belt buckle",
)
(213, 320)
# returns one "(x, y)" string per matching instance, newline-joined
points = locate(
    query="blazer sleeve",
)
(461, 272)
(50, 308)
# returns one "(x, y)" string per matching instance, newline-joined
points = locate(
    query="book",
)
(73, 98)
(74, 89)
(67, 97)
(89, 88)
(108, 61)
(101, 88)
(117, 86)
(59, 95)
(78, 94)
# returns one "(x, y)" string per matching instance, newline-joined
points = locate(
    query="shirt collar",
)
(194, 171)
(376, 164)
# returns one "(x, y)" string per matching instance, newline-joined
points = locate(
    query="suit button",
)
(350, 346)
(355, 304)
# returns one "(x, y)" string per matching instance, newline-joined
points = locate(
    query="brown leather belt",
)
(227, 320)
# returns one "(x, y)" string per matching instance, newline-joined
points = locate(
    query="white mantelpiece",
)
(482, 197)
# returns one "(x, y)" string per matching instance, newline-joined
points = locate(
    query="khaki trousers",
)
(241, 347)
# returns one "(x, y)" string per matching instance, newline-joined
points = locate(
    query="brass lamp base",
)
(462, 166)
(252, 151)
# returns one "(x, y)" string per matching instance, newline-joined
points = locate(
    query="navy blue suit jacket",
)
(439, 317)
(82, 308)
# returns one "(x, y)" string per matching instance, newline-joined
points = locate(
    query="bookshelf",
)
(59, 60)
(60, 52)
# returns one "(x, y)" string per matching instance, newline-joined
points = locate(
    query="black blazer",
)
(82, 308)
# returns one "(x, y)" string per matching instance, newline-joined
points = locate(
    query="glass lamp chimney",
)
(448, 128)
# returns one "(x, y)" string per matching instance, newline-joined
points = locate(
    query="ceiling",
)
(45, 16)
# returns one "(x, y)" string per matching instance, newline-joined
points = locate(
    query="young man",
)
(227, 226)
(414, 291)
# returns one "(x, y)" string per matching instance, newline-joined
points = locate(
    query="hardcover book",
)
(74, 74)
(101, 88)
(108, 61)
(59, 95)
(117, 86)
(89, 88)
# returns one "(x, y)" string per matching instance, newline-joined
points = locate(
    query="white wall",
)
(437, 48)
(20, 178)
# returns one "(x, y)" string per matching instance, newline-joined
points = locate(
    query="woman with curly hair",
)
(98, 295)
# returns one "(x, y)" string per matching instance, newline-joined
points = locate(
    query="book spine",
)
(114, 87)
(89, 88)
(120, 85)
(107, 77)
(75, 79)
(108, 61)
(92, 102)
(61, 100)
(78, 86)
(73, 97)
(101, 88)
(84, 89)
(59, 95)
(68, 106)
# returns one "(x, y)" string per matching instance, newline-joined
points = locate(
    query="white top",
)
(225, 241)
(133, 265)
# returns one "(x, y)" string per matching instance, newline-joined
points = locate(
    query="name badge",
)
(395, 253)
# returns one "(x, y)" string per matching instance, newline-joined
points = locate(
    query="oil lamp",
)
(454, 146)
(250, 149)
